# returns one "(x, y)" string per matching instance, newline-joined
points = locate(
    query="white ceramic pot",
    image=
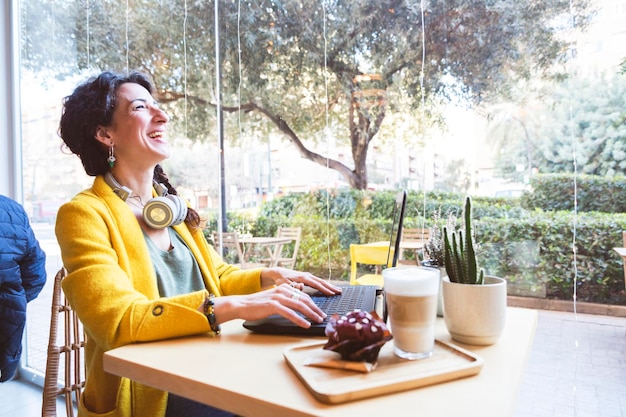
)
(475, 314)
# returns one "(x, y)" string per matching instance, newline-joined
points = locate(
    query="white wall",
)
(10, 150)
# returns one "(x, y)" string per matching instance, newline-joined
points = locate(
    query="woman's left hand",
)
(296, 279)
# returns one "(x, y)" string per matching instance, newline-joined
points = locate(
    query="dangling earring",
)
(111, 158)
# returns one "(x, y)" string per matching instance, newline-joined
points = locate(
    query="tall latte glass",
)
(411, 296)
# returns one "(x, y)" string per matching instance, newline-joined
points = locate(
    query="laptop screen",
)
(396, 228)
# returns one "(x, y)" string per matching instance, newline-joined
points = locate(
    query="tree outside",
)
(315, 72)
(581, 118)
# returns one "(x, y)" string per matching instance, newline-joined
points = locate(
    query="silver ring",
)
(293, 284)
(295, 294)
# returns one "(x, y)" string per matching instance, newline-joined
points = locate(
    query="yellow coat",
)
(112, 285)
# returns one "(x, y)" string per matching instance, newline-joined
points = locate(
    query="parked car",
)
(509, 193)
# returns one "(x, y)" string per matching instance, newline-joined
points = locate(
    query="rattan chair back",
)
(66, 353)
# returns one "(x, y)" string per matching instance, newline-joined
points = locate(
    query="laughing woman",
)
(139, 267)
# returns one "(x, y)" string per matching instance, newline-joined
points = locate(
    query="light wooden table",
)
(246, 374)
(404, 244)
(413, 245)
(270, 243)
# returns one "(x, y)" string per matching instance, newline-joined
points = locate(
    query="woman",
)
(130, 280)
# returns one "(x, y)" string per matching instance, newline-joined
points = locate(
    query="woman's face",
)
(138, 128)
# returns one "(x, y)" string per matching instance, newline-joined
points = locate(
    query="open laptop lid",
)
(396, 228)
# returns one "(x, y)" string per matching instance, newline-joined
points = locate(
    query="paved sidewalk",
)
(576, 367)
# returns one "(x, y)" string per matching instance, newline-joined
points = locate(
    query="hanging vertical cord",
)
(575, 220)
(575, 224)
(239, 64)
(87, 7)
(218, 102)
(239, 84)
(185, 70)
(53, 30)
(422, 115)
(573, 139)
(574, 251)
(127, 42)
(327, 134)
(185, 118)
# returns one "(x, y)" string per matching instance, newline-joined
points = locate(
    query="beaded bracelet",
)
(209, 312)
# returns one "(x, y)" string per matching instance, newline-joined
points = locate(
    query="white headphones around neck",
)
(159, 212)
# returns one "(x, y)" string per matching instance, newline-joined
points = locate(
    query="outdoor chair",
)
(232, 251)
(67, 352)
(286, 253)
(367, 254)
(418, 235)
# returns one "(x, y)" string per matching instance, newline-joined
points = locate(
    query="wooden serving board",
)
(392, 374)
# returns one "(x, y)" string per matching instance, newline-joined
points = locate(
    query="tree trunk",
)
(365, 121)
(360, 139)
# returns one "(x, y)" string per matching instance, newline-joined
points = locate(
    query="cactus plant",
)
(459, 253)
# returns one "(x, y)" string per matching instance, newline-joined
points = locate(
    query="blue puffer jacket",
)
(22, 276)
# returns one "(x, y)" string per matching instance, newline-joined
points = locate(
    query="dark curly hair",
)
(92, 104)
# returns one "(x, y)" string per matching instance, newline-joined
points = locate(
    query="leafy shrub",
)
(532, 249)
(537, 250)
(553, 192)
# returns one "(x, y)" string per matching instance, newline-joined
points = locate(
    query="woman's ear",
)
(102, 135)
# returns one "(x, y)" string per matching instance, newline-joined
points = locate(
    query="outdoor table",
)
(413, 245)
(404, 244)
(270, 244)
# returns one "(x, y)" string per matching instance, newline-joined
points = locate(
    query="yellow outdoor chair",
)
(368, 254)
(67, 352)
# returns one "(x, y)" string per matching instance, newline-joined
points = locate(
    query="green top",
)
(176, 269)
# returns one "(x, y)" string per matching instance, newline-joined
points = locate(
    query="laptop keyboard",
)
(351, 298)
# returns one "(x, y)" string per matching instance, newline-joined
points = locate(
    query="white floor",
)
(22, 399)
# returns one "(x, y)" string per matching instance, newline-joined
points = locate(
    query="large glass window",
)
(455, 96)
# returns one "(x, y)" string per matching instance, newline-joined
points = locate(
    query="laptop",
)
(362, 297)
(396, 228)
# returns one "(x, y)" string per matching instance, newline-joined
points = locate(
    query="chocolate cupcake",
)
(357, 336)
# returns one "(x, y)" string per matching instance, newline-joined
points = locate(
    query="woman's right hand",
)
(284, 300)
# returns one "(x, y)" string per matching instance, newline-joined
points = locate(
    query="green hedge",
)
(532, 249)
(536, 252)
(553, 192)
